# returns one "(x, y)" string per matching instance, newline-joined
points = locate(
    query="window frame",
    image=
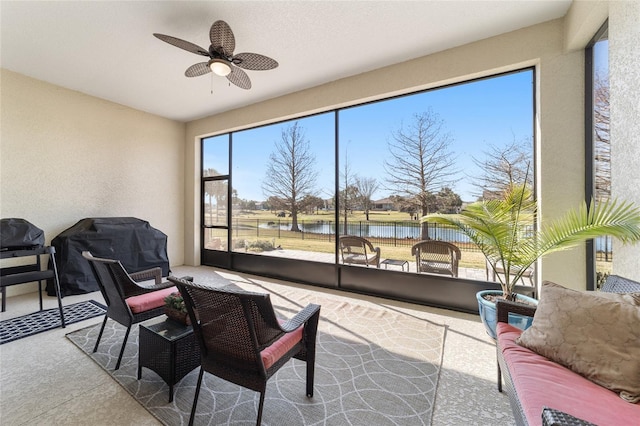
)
(589, 147)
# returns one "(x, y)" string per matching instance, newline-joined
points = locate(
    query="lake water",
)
(393, 230)
(397, 230)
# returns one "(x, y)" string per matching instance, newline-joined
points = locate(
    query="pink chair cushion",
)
(148, 301)
(280, 347)
(541, 382)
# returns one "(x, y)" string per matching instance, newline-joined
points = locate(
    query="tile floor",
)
(46, 380)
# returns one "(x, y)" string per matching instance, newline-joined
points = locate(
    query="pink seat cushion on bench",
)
(280, 347)
(148, 301)
(540, 382)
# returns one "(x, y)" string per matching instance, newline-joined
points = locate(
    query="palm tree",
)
(503, 229)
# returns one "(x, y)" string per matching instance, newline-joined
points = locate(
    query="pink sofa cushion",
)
(280, 347)
(540, 382)
(148, 301)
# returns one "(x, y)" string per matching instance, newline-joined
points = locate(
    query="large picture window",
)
(283, 185)
(372, 171)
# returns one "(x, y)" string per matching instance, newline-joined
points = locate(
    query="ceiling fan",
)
(222, 61)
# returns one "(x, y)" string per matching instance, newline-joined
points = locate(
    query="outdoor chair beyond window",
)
(359, 251)
(128, 302)
(528, 273)
(436, 257)
(242, 341)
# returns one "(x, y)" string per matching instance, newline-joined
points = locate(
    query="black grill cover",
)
(132, 241)
(19, 234)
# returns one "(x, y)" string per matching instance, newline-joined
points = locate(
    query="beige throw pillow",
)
(594, 334)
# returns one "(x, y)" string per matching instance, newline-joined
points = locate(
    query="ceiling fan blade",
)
(195, 70)
(182, 44)
(239, 78)
(222, 38)
(254, 61)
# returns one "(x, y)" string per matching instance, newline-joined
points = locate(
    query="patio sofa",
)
(579, 362)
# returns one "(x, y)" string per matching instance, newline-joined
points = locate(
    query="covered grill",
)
(132, 241)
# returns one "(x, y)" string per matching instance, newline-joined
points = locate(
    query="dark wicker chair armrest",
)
(552, 417)
(618, 284)
(301, 318)
(162, 285)
(148, 274)
(154, 287)
(506, 307)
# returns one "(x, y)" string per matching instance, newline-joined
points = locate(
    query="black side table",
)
(168, 348)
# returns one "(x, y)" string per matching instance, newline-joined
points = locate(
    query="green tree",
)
(311, 204)
(274, 204)
(448, 201)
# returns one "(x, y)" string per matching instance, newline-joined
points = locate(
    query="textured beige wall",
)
(624, 72)
(560, 138)
(582, 21)
(66, 156)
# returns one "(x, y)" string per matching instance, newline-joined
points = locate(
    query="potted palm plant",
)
(503, 229)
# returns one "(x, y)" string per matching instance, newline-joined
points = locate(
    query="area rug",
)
(48, 319)
(374, 366)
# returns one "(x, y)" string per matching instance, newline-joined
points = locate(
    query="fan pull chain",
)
(212, 83)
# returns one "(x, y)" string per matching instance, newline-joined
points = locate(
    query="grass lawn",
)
(246, 229)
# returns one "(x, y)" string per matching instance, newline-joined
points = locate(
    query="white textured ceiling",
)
(106, 48)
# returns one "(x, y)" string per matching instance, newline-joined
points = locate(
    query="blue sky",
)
(490, 111)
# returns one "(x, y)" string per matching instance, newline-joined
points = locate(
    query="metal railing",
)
(392, 234)
(395, 234)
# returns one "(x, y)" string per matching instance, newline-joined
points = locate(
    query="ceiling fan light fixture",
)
(220, 67)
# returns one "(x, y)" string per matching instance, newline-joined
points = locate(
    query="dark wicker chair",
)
(436, 257)
(618, 284)
(237, 332)
(359, 251)
(122, 292)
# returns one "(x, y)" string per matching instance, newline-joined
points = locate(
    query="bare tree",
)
(366, 187)
(348, 192)
(503, 166)
(602, 142)
(420, 161)
(291, 175)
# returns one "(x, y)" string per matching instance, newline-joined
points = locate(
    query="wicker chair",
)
(127, 301)
(436, 257)
(241, 340)
(618, 284)
(493, 268)
(359, 251)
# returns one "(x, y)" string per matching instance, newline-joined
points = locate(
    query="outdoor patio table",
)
(395, 262)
